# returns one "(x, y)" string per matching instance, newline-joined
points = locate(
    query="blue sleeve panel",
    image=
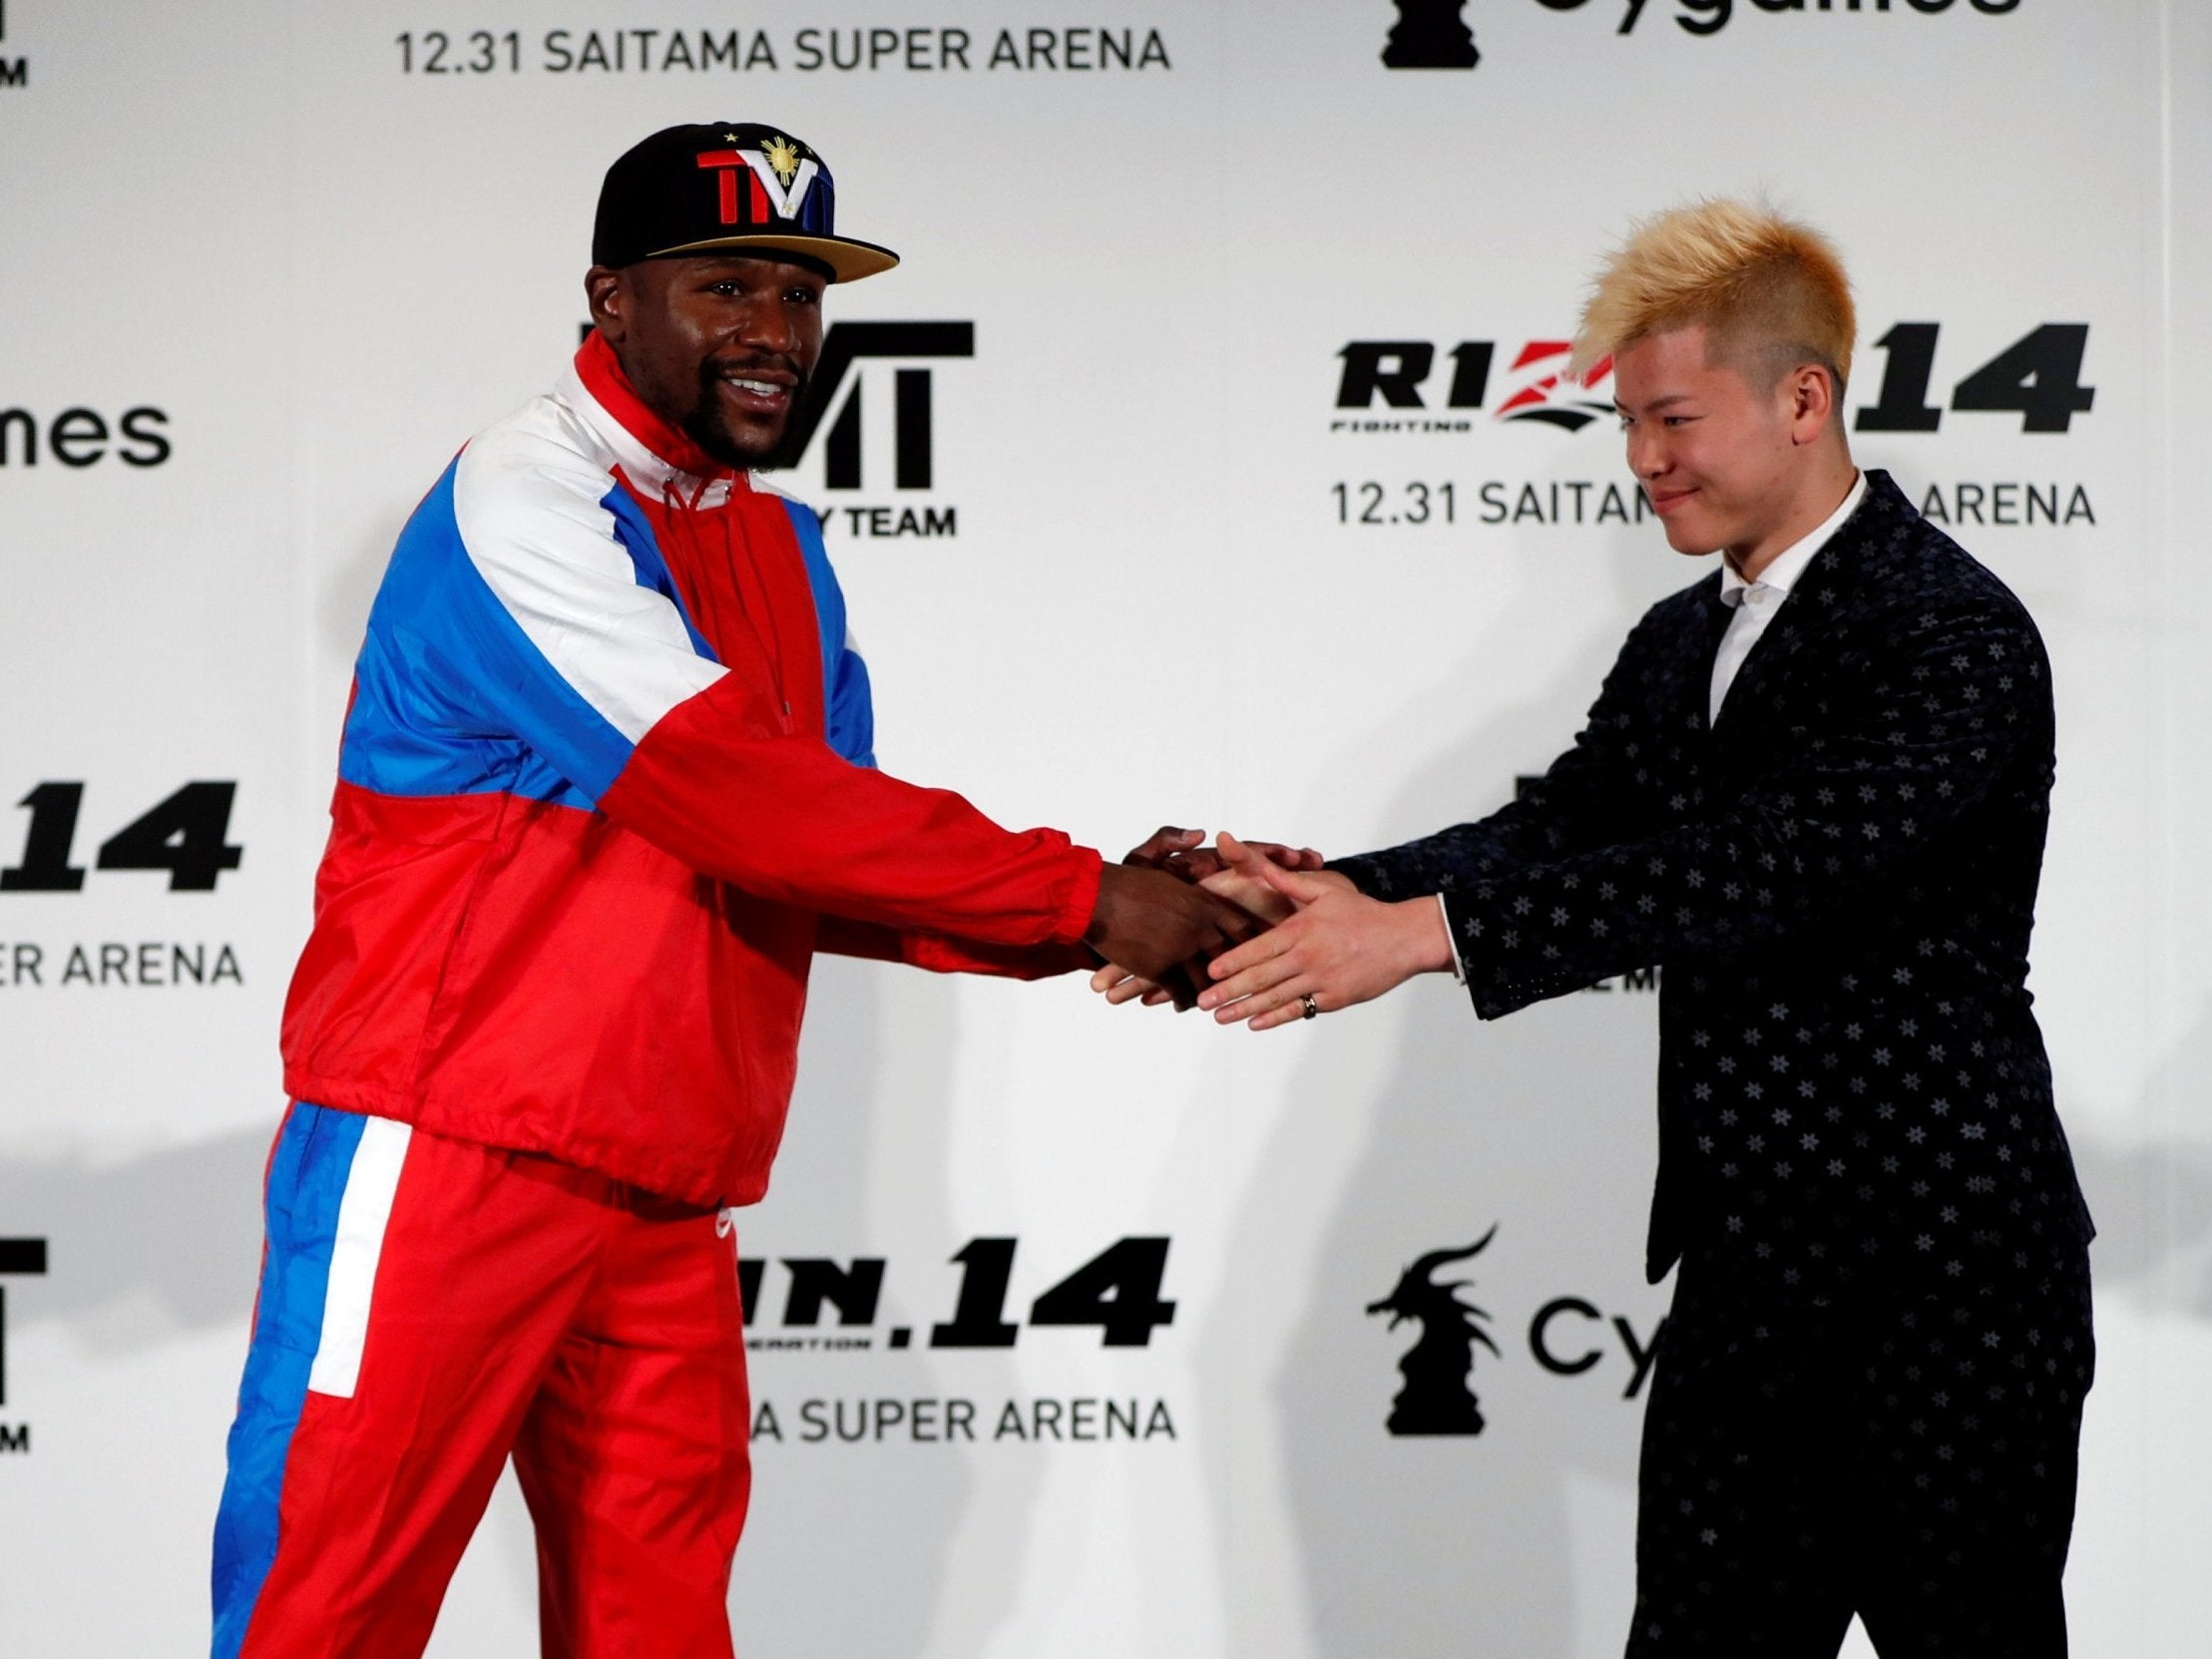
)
(846, 702)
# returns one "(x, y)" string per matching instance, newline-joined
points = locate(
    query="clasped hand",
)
(1313, 934)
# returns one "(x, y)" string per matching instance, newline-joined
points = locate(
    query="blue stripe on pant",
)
(307, 1182)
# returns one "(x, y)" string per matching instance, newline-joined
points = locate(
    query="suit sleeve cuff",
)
(1451, 933)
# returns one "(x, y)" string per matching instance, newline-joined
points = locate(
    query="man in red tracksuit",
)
(605, 785)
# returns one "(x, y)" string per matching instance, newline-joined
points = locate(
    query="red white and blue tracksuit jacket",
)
(605, 784)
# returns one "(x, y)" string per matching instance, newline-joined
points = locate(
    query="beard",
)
(707, 423)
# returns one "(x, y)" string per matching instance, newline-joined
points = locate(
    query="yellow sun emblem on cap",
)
(783, 156)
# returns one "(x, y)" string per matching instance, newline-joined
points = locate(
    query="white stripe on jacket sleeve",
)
(527, 504)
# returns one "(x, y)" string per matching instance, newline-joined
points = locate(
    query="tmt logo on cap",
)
(734, 185)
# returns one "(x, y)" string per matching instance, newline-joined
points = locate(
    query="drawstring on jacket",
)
(684, 516)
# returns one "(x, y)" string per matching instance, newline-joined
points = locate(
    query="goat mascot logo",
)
(1437, 1399)
(1430, 34)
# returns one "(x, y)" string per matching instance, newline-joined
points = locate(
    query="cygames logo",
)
(1430, 34)
(1709, 17)
(1436, 1396)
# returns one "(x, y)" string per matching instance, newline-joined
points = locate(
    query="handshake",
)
(1252, 930)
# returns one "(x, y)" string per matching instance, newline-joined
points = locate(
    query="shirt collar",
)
(1786, 567)
(652, 453)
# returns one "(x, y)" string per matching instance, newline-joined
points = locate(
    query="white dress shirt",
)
(1756, 602)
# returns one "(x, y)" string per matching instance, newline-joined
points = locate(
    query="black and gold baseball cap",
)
(731, 185)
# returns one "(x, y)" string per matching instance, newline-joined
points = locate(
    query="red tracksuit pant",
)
(429, 1308)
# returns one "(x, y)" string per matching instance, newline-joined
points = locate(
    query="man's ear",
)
(1812, 402)
(609, 296)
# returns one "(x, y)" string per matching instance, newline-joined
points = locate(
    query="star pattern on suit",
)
(1870, 1461)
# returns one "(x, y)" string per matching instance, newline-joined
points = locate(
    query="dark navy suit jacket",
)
(1838, 878)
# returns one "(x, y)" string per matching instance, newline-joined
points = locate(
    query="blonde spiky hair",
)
(1766, 287)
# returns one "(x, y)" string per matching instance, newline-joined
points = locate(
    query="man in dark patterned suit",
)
(1815, 788)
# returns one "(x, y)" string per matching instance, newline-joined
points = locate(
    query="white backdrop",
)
(313, 249)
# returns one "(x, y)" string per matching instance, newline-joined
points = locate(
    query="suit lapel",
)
(1774, 677)
(1762, 683)
(1690, 674)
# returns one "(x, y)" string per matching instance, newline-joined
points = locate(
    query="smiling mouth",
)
(1665, 502)
(750, 398)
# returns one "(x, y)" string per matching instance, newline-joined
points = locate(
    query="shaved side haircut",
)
(1772, 292)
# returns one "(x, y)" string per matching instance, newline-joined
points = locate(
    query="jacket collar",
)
(1783, 570)
(1883, 500)
(654, 454)
(1825, 593)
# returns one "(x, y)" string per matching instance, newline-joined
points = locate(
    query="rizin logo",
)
(1437, 1397)
(1394, 372)
(2037, 377)
(1554, 396)
(1429, 34)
